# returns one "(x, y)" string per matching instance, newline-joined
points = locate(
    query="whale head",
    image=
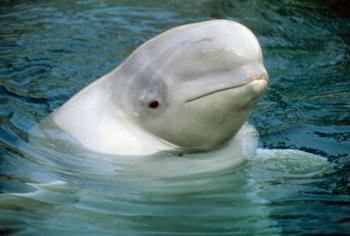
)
(192, 86)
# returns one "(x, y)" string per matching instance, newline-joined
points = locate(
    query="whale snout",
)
(253, 79)
(257, 85)
(261, 76)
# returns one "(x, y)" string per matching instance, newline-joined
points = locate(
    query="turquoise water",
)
(49, 50)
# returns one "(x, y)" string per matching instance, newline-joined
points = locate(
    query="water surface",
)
(49, 50)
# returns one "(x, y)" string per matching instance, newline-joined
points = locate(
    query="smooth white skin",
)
(206, 77)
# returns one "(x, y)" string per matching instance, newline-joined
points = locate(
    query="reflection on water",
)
(51, 49)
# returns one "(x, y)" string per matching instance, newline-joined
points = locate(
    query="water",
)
(49, 50)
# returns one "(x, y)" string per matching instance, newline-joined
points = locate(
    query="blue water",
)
(49, 50)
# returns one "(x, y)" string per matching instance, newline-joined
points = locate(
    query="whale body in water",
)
(190, 88)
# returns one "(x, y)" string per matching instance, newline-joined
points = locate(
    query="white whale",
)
(191, 87)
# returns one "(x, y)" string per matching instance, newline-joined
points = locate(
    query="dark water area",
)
(49, 50)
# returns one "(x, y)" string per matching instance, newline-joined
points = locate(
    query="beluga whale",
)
(189, 88)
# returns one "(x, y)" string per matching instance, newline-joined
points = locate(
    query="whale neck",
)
(97, 123)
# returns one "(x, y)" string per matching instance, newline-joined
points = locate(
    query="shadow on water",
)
(51, 49)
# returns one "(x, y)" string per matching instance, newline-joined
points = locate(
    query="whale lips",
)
(261, 76)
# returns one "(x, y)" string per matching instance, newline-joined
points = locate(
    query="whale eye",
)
(153, 104)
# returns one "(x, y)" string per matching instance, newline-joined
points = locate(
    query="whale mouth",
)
(253, 78)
